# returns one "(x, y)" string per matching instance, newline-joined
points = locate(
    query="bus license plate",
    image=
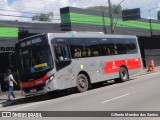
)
(32, 90)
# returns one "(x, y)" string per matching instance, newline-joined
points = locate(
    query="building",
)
(147, 31)
(76, 19)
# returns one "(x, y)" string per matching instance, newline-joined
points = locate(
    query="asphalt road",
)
(141, 93)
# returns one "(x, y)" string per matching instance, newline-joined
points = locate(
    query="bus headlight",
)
(50, 79)
(47, 81)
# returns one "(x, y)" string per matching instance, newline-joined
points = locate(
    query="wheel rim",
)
(82, 82)
(124, 74)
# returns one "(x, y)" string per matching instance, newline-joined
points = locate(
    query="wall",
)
(86, 18)
(151, 47)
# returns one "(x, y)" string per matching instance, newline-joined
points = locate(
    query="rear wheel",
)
(82, 83)
(123, 74)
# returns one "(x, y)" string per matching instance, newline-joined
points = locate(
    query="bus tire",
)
(82, 83)
(123, 75)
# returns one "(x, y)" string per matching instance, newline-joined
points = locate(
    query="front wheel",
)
(123, 74)
(82, 83)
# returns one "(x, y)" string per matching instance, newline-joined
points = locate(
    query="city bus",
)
(57, 61)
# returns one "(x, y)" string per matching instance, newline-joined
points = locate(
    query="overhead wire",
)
(51, 4)
(18, 11)
(15, 16)
(84, 27)
(88, 21)
(84, 3)
(56, 16)
(78, 26)
(39, 13)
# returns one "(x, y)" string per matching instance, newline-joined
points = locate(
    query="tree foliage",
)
(43, 17)
(158, 15)
(117, 9)
(99, 8)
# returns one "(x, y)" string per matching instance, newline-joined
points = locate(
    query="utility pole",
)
(111, 16)
(104, 24)
(150, 22)
(114, 26)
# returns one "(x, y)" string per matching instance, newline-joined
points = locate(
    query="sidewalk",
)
(144, 71)
(4, 96)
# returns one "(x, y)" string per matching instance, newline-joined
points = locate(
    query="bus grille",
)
(37, 88)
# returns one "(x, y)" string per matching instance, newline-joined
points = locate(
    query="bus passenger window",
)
(115, 50)
(107, 51)
(77, 53)
(65, 53)
(88, 52)
(60, 58)
(84, 53)
(62, 53)
(95, 53)
(58, 52)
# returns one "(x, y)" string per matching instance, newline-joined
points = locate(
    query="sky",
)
(27, 8)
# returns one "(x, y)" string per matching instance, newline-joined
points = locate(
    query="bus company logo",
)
(6, 114)
(39, 82)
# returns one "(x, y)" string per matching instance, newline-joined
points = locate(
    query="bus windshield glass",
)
(35, 59)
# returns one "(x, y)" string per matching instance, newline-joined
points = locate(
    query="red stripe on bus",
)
(114, 66)
(40, 81)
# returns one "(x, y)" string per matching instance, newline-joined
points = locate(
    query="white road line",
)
(115, 98)
(27, 106)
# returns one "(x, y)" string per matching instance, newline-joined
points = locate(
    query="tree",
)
(43, 17)
(117, 9)
(99, 8)
(158, 15)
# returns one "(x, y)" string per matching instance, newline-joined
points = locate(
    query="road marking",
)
(115, 98)
(27, 106)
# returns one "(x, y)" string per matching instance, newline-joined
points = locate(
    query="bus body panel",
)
(98, 68)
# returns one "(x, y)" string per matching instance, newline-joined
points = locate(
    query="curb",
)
(6, 104)
(144, 73)
(9, 103)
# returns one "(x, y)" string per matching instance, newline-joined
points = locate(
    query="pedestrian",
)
(9, 81)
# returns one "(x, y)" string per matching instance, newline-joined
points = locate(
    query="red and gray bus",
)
(56, 61)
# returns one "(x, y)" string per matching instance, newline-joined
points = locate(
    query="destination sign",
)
(31, 41)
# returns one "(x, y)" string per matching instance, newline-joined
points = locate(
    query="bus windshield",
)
(35, 59)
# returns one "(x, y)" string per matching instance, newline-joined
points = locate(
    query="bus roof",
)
(73, 34)
(88, 35)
